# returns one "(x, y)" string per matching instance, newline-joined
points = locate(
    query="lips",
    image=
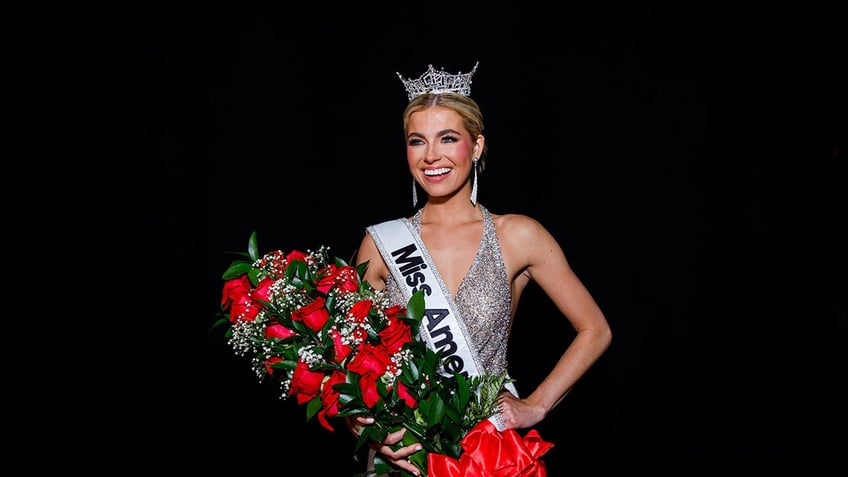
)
(437, 172)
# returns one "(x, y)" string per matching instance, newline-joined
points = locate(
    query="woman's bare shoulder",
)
(367, 249)
(376, 270)
(517, 225)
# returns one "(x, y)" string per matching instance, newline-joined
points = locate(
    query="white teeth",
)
(436, 172)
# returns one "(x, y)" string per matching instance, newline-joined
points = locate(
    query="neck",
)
(448, 212)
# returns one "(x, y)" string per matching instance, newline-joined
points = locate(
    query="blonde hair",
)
(467, 108)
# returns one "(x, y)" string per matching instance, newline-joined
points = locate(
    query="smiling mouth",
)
(436, 172)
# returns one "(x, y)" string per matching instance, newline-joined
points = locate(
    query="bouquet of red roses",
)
(327, 338)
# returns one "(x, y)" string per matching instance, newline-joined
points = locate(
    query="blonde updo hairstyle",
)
(467, 108)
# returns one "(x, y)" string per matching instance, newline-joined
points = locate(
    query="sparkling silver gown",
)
(483, 300)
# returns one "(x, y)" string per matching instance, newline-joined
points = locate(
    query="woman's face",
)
(440, 151)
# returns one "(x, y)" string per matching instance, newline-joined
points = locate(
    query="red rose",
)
(233, 290)
(370, 359)
(270, 362)
(343, 278)
(245, 309)
(296, 255)
(395, 335)
(360, 310)
(403, 392)
(347, 280)
(395, 311)
(330, 399)
(314, 315)
(370, 363)
(262, 290)
(278, 331)
(326, 278)
(305, 384)
(342, 350)
(368, 385)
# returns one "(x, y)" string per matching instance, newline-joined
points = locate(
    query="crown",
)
(433, 81)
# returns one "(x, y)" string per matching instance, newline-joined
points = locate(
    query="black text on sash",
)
(409, 261)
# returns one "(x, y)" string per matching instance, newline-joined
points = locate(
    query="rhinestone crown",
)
(433, 81)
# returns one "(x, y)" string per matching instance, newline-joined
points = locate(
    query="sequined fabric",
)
(483, 299)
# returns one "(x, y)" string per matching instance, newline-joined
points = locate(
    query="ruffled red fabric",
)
(488, 452)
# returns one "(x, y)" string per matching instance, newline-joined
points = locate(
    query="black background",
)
(684, 156)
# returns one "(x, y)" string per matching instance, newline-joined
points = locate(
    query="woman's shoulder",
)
(521, 238)
(517, 225)
(514, 220)
(368, 252)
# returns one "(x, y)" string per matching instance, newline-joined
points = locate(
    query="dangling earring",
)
(474, 183)
(414, 194)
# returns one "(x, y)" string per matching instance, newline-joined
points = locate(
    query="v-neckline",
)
(416, 221)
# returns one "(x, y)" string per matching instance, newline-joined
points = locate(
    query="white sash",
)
(442, 325)
(413, 270)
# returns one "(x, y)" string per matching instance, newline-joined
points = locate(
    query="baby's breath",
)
(402, 357)
(272, 264)
(309, 356)
(247, 336)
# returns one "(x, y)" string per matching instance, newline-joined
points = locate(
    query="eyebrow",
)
(441, 133)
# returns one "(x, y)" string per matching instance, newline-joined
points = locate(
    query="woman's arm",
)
(377, 271)
(530, 245)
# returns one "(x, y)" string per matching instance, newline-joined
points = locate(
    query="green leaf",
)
(452, 449)
(463, 391)
(377, 324)
(346, 388)
(302, 269)
(374, 432)
(326, 368)
(285, 365)
(415, 305)
(237, 269)
(453, 413)
(410, 375)
(382, 467)
(353, 407)
(432, 362)
(436, 413)
(300, 327)
(330, 303)
(360, 269)
(363, 438)
(312, 407)
(252, 247)
(253, 275)
(352, 378)
(220, 322)
(381, 387)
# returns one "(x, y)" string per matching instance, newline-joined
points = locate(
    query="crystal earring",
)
(414, 194)
(474, 183)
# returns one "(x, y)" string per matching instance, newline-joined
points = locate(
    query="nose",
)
(432, 154)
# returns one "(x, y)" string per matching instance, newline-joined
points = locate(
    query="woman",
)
(481, 261)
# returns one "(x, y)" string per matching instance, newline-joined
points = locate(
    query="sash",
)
(442, 326)
(413, 270)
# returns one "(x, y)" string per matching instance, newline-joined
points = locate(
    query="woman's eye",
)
(414, 142)
(449, 139)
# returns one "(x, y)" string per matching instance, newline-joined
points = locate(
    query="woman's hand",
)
(397, 457)
(519, 413)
